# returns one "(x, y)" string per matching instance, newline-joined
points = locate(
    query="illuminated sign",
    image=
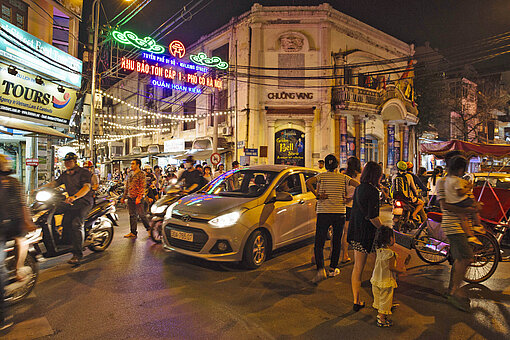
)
(20, 47)
(21, 95)
(173, 62)
(170, 73)
(177, 49)
(130, 38)
(202, 59)
(162, 83)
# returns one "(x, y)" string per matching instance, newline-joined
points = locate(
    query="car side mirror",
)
(283, 196)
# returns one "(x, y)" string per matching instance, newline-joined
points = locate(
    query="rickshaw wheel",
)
(430, 249)
(486, 259)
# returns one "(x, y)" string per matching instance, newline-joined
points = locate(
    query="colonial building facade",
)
(303, 82)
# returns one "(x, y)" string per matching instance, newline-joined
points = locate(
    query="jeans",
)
(74, 218)
(3, 278)
(136, 210)
(321, 232)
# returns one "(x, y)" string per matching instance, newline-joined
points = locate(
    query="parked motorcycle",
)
(158, 210)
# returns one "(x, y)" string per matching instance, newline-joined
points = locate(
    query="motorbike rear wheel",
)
(102, 239)
(19, 290)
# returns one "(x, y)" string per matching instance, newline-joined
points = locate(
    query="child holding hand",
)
(384, 276)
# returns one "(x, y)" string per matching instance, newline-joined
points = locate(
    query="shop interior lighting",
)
(39, 80)
(12, 70)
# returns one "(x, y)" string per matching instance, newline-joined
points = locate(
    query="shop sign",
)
(290, 147)
(174, 145)
(23, 48)
(32, 161)
(283, 95)
(21, 95)
(391, 146)
(251, 152)
(240, 144)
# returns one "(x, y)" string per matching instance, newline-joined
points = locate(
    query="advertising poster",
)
(397, 151)
(351, 147)
(343, 141)
(391, 146)
(362, 143)
(290, 147)
(405, 144)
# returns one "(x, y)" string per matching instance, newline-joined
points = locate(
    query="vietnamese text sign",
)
(21, 95)
(251, 152)
(25, 49)
(174, 145)
(32, 161)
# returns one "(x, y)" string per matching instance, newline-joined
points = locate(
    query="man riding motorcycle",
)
(404, 189)
(77, 182)
(191, 178)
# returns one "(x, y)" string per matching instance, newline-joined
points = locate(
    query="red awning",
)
(440, 149)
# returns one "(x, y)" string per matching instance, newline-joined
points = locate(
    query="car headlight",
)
(169, 210)
(43, 196)
(226, 220)
(155, 209)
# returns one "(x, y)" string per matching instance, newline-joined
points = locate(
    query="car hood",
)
(210, 206)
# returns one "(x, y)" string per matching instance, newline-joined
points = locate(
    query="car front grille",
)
(199, 237)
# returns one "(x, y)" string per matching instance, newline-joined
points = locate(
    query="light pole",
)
(96, 3)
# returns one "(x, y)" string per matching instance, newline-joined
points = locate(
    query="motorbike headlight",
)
(169, 210)
(43, 196)
(158, 209)
(226, 220)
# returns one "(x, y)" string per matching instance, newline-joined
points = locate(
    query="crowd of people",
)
(348, 200)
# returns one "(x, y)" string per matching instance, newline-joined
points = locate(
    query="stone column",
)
(385, 148)
(343, 141)
(362, 141)
(336, 134)
(357, 135)
(308, 143)
(390, 145)
(270, 141)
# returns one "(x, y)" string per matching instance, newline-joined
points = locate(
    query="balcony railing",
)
(347, 97)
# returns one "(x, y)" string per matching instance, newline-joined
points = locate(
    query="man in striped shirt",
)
(460, 249)
(330, 192)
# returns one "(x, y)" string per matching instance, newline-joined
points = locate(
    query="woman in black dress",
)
(363, 224)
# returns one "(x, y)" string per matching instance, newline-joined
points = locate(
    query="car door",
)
(291, 217)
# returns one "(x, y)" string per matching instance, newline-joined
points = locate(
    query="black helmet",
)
(190, 159)
(70, 156)
(331, 162)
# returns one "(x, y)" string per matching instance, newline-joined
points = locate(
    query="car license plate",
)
(181, 235)
(398, 211)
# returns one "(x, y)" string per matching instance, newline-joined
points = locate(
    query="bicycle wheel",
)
(430, 249)
(486, 259)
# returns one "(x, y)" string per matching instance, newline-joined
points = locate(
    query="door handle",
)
(301, 201)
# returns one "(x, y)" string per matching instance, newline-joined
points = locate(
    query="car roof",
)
(277, 167)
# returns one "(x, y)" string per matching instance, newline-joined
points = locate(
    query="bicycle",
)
(432, 247)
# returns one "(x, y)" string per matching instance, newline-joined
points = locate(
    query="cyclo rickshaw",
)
(430, 242)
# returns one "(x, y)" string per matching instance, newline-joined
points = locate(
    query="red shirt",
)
(135, 185)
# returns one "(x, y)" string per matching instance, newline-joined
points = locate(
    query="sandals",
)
(358, 306)
(384, 322)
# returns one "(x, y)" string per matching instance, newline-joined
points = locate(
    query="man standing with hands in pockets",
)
(135, 193)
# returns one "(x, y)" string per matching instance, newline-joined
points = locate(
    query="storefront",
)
(38, 92)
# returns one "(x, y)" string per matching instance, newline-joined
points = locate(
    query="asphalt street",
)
(136, 290)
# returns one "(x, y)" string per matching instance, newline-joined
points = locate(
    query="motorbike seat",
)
(435, 216)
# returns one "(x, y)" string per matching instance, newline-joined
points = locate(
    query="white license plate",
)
(181, 235)
(398, 211)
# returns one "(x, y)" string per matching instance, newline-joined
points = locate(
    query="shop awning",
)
(440, 149)
(201, 154)
(37, 129)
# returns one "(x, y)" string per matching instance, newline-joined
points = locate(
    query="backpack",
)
(400, 185)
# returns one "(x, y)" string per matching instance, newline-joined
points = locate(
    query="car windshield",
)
(240, 183)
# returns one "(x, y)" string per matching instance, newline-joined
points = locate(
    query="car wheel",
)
(255, 250)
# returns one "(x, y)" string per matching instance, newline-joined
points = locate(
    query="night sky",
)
(445, 23)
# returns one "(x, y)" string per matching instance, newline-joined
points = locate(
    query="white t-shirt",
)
(382, 276)
(432, 186)
(452, 184)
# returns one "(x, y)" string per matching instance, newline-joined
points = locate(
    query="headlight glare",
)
(43, 196)
(158, 209)
(225, 220)
(169, 210)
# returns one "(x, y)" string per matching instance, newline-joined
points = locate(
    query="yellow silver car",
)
(243, 215)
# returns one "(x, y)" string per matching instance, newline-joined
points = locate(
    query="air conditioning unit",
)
(226, 131)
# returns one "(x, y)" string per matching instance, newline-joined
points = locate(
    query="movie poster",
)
(290, 147)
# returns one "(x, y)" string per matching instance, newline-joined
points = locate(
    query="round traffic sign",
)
(215, 158)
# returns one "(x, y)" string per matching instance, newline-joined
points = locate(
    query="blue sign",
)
(183, 88)
(18, 46)
(251, 152)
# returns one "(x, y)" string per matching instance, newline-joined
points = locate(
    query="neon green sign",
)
(129, 38)
(202, 59)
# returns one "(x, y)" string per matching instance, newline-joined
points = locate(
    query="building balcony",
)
(366, 100)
